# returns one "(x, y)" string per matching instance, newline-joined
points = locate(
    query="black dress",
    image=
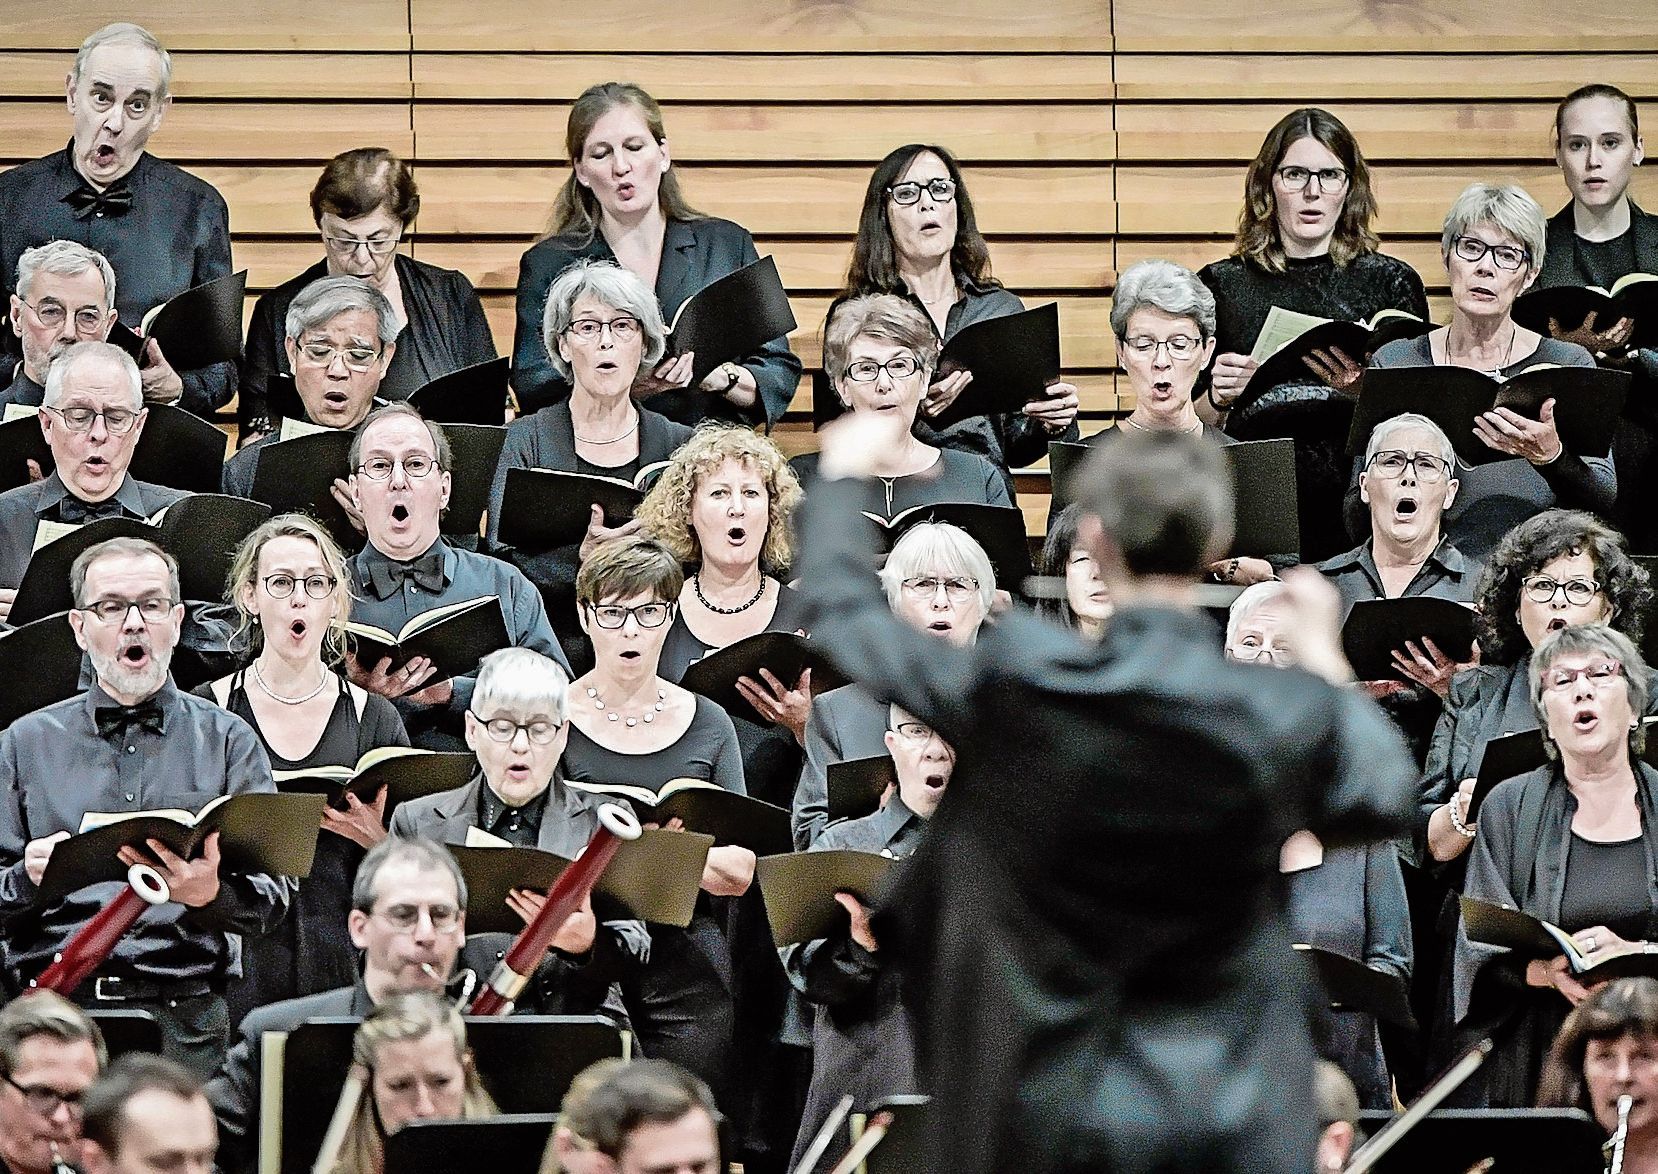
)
(310, 951)
(446, 331)
(681, 1001)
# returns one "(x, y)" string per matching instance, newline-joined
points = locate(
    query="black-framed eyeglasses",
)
(114, 611)
(44, 1099)
(588, 329)
(1542, 589)
(504, 729)
(1390, 464)
(1179, 346)
(1473, 250)
(414, 467)
(956, 588)
(316, 586)
(52, 316)
(358, 358)
(614, 615)
(117, 421)
(868, 370)
(906, 193)
(347, 245)
(1329, 179)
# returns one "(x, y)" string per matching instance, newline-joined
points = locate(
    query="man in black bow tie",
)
(132, 742)
(400, 482)
(164, 230)
(93, 415)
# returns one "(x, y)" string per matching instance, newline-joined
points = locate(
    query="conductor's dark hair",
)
(426, 855)
(1626, 1007)
(1527, 549)
(874, 267)
(1164, 499)
(1597, 90)
(354, 183)
(1056, 556)
(104, 1110)
(612, 1098)
(1258, 240)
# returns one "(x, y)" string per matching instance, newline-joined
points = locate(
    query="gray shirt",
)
(845, 724)
(55, 767)
(24, 508)
(1445, 574)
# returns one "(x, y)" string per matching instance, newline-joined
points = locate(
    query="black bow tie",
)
(74, 512)
(118, 719)
(86, 201)
(426, 572)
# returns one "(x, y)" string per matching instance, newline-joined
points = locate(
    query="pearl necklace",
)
(259, 679)
(696, 585)
(613, 715)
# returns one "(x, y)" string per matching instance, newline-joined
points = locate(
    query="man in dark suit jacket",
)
(164, 230)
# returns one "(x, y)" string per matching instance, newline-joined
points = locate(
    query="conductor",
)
(1094, 935)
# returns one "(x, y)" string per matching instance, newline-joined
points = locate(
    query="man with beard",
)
(92, 418)
(132, 742)
(164, 230)
(65, 294)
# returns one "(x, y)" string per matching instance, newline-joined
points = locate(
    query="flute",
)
(92, 946)
(574, 885)
(1615, 1165)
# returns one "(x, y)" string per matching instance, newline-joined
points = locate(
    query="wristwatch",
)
(733, 375)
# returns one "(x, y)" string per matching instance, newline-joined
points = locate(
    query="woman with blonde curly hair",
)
(411, 1051)
(289, 585)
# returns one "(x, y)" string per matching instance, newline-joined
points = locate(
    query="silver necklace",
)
(613, 715)
(696, 585)
(259, 679)
(1135, 424)
(613, 440)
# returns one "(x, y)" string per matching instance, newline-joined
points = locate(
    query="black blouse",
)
(707, 750)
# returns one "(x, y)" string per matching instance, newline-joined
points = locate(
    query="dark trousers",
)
(195, 1029)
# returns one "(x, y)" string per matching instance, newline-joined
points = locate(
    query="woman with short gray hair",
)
(604, 330)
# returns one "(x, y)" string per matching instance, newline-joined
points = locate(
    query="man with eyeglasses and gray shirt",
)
(65, 294)
(92, 417)
(132, 742)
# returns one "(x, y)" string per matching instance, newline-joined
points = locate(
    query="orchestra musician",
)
(147, 1114)
(1607, 1049)
(50, 1053)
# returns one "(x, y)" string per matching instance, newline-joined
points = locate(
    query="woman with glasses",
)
(918, 238)
(880, 352)
(1572, 843)
(605, 332)
(630, 725)
(622, 203)
(1608, 1049)
(365, 204)
(289, 586)
(1492, 242)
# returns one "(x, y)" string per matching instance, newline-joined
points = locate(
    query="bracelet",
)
(1462, 829)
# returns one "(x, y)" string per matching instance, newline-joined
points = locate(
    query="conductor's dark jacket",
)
(1093, 930)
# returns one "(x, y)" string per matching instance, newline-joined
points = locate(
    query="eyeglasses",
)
(504, 729)
(1542, 589)
(346, 245)
(1250, 653)
(915, 733)
(1180, 346)
(956, 588)
(1597, 674)
(358, 358)
(1473, 250)
(1390, 464)
(908, 192)
(868, 370)
(1329, 179)
(282, 586)
(588, 329)
(114, 611)
(404, 918)
(614, 615)
(380, 468)
(44, 1099)
(117, 421)
(51, 315)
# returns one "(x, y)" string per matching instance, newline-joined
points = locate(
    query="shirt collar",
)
(892, 820)
(492, 809)
(166, 697)
(53, 492)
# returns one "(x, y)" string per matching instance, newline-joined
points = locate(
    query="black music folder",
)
(1633, 296)
(21, 441)
(1532, 937)
(177, 449)
(407, 772)
(1353, 986)
(454, 637)
(799, 890)
(1288, 338)
(706, 808)
(1013, 358)
(475, 450)
(298, 475)
(509, 1144)
(1522, 1141)
(731, 317)
(198, 328)
(856, 786)
(1374, 628)
(544, 509)
(41, 664)
(471, 395)
(999, 529)
(784, 654)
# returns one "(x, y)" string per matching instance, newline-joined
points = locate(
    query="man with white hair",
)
(92, 418)
(163, 229)
(65, 294)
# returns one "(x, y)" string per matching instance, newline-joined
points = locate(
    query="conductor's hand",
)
(858, 916)
(575, 936)
(37, 852)
(364, 824)
(191, 882)
(1314, 624)
(1557, 973)
(598, 532)
(161, 383)
(943, 393)
(851, 444)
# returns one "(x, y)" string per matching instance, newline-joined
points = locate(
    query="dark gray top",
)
(845, 724)
(24, 508)
(174, 237)
(55, 767)
(465, 576)
(707, 750)
(694, 254)
(22, 390)
(1568, 259)
(955, 476)
(1606, 885)
(1444, 575)
(1354, 904)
